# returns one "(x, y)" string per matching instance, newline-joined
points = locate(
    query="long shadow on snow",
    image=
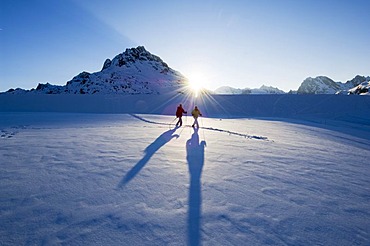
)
(195, 159)
(149, 152)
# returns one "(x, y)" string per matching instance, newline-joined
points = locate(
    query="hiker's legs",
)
(179, 122)
(195, 122)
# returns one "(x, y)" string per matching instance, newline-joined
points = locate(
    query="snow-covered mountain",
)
(361, 89)
(357, 80)
(135, 71)
(360, 84)
(325, 85)
(319, 85)
(227, 90)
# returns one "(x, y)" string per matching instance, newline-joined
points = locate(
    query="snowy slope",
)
(102, 179)
(135, 71)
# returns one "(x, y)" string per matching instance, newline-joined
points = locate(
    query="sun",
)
(195, 87)
(197, 83)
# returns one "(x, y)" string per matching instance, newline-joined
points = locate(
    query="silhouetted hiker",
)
(196, 113)
(149, 151)
(179, 113)
(195, 158)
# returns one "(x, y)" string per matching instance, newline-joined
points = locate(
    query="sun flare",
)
(197, 83)
(195, 87)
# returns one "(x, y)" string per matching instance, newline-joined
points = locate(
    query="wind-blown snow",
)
(282, 173)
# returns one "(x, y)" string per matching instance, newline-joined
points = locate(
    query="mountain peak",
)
(318, 85)
(135, 71)
(133, 55)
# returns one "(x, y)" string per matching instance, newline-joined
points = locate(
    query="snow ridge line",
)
(235, 133)
(149, 121)
(206, 128)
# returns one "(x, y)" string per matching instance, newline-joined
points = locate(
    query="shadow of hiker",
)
(149, 152)
(195, 159)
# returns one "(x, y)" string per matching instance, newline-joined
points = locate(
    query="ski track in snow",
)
(86, 179)
(203, 127)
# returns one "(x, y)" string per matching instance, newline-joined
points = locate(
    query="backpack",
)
(179, 112)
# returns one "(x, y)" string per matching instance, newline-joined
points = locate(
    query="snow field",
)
(102, 179)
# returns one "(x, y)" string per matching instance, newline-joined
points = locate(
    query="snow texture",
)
(261, 170)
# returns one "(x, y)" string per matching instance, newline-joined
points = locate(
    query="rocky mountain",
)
(325, 85)
(135, 71)
(361, 89)
(357, 80)
(227, 90)
(318, 85)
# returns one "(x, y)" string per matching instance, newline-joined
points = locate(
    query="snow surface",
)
(289, 170)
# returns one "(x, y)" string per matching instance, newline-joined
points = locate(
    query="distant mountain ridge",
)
(319, 85)
(227, 90)
(325, 85)
(135, 71)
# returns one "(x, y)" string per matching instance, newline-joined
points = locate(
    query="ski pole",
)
(169, 125)
(204, 137)
(186, 118)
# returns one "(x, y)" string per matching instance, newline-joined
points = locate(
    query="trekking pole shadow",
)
(195, 159)
(149, 152)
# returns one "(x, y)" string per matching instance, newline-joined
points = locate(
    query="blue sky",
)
(222, 42)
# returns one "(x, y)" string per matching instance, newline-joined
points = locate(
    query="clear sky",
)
(242, 44)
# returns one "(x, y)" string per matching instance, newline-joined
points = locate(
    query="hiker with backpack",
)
(196, 113)
(180, 110)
